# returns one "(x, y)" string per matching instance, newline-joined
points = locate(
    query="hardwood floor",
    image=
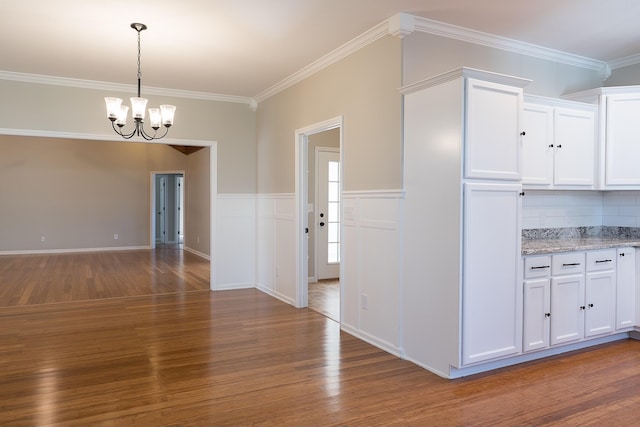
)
(54, 278)
(241, 357)
(324, 297)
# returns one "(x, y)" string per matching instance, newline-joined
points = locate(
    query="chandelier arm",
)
(119, 131)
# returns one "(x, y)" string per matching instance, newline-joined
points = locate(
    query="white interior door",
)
(327, 214)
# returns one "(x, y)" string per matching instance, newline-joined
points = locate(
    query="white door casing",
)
(301, 205)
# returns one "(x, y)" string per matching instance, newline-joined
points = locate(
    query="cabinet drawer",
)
(601, 260)
(567, 263)
(537, 266)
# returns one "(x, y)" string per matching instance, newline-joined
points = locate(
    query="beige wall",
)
(50, 108)
(426, 55)
(363, 89)
(625, 76)
(79, 193)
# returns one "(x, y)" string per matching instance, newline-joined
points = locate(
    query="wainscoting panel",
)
(371, 274)
(275, 246)
(235, 241)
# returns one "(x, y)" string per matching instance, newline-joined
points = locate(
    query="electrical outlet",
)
(365, 301)
(198, 239)
(116, 237)
(43, 238)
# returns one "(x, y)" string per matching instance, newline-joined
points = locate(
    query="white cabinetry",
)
(559, 146)
(580, 302)
(462, 301)
(625, 288)
(600, 293)
(567, 297)
(619, 142)
(537, 302)
(492, 148)
(491, 301)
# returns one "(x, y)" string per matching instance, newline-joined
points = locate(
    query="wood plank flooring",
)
(54, 278)
(200, 358)
(324, 297)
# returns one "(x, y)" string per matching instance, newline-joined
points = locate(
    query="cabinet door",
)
(625, 288)
(574, 139)
(492, 131)
(537, 145)
(600, 299)
(536, 314)
(492, 276)
(622, 140)
(567, 308)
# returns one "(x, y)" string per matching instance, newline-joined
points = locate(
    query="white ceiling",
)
(244, 47)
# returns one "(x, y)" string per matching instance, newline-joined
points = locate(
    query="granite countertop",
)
(545, 241)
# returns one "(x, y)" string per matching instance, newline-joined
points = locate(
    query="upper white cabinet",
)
(462, 292)
(493, 130)
(622, 140)
(559, 145)
(619, 142)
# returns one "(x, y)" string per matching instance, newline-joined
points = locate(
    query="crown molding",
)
(625, 62)
(332, 57)
(497, 42)
(118, 87)
(404, 24)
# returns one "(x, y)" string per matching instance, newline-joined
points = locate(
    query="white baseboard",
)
(198, 253)
(73, 250)
(232, 286)
(381, 344)
(275, 294)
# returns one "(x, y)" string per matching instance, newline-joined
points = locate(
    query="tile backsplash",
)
(557, 209)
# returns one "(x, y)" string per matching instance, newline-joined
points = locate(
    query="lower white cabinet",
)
(625, 288)
(569, 297)
(537, 312)
(491, 299)
(567, 312)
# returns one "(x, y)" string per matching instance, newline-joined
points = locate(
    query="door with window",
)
(327, 214)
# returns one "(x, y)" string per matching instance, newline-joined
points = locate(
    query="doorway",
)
(318, 243)
(168, 210)
(324, 223)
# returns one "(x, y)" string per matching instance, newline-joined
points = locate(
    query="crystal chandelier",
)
(117, 113)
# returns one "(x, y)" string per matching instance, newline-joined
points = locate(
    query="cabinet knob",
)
(582, 307)
(523, 133)
(521, 193)
(590, 305)
(321, 224)
(559, 145)
(550, 145)
(622, 254)
(547, 315)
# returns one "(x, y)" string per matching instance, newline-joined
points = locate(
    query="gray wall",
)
(363, 89)
(426, 55)
(625, 76)
(79, 193)
(39, 107)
